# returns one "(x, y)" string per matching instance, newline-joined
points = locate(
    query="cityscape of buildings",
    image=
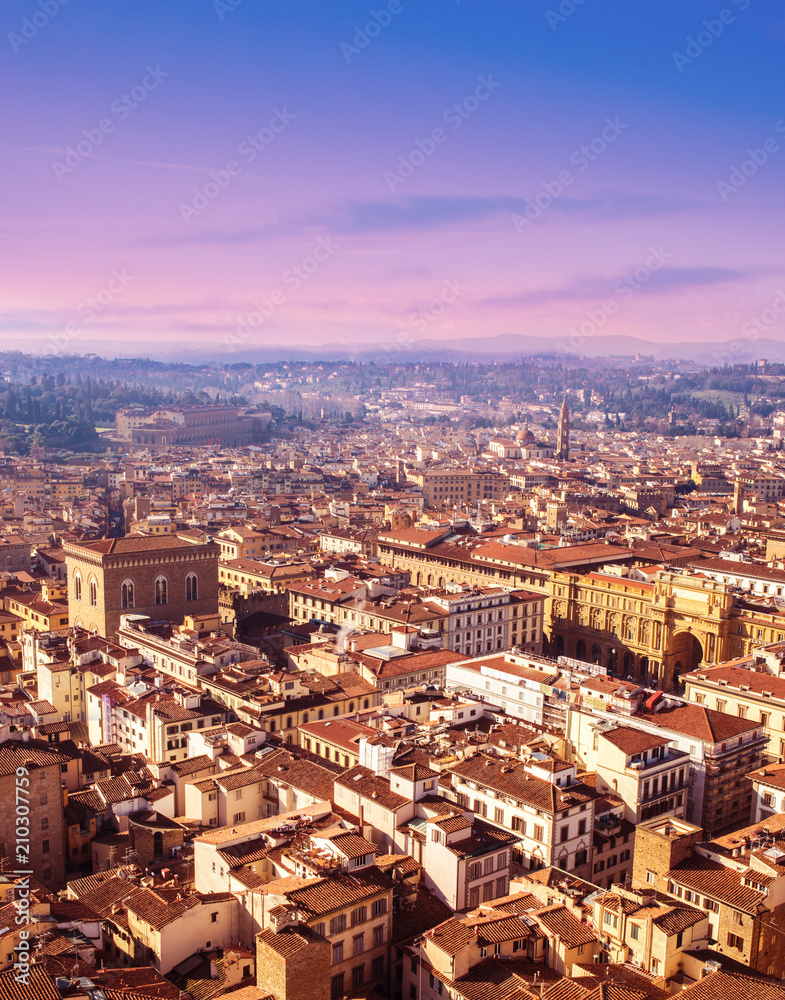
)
(420, 681)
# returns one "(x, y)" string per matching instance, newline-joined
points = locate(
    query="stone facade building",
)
(30, 775)
(163, 577)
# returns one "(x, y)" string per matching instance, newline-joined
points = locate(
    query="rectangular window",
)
(357, 944)
(378, 936)
(336, 987)
(338, 953)
(338, 924)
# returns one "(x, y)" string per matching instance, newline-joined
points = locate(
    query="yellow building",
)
(248, 575)
(35, 612)
(459, 486)
(740, 688)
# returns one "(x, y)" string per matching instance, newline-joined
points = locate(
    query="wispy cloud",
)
(158, 165)
(428, 213)
(586, 288)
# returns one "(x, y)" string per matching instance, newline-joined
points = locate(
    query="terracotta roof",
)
(722, 985)
(328, 894)
(718, 882)
(633, 741)
(565, 925)
(510, 777)
(39, 985)
(700, 722)
(369, 785)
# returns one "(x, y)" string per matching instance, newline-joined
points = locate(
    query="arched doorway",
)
(596, 654)
(560, 645)
(685, 654)
(580, 650)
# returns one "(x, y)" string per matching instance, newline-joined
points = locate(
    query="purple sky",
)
(168, 227)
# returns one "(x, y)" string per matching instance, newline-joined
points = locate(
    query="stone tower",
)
(738, 497)
(563, 433)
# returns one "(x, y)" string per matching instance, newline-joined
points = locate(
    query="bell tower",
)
(563, 433)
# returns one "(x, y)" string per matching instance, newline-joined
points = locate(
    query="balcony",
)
(674, 758)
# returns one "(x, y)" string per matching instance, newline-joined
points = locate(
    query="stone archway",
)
(685, 654)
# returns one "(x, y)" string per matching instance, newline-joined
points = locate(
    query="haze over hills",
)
(504, 346)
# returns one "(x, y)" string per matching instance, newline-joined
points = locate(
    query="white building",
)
(512, 683)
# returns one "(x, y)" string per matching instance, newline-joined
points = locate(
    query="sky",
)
(223, 176)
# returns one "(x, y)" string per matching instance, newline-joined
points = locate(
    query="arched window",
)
(161, 591)
(127, 594)
(321, 713)
(288, 722)
(93, 592)
(77, 586)
(191, 587)
(305, 717)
